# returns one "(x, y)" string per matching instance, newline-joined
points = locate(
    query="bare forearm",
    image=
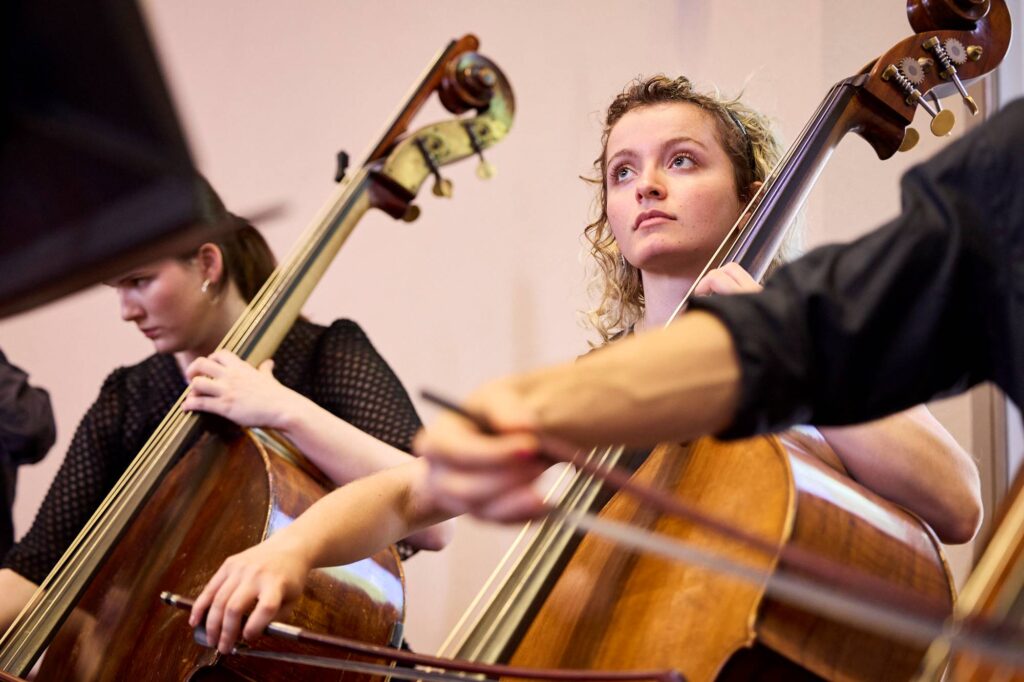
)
(911, 459)
(16, 591)
(672, 384)
(363, 517)
(340, 450)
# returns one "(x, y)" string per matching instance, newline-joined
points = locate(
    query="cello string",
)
(511, 565)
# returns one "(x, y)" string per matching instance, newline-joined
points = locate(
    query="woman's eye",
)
(621, 173)
(682, 161)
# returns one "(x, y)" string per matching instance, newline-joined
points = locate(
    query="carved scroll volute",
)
(929, 15)
(971, 35)
(471, 82)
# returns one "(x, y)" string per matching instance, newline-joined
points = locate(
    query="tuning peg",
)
(910, 139)
(948, 68)
(942, 119)
(412, 212)
(484, 171)
(443, 187)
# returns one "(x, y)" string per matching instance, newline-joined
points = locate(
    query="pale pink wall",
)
(490, 281)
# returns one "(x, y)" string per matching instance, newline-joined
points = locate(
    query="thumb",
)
(267, 366)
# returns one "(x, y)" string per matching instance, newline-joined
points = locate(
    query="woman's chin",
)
(165, 345)
(667, 264)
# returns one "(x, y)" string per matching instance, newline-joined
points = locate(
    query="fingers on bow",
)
(228, 600)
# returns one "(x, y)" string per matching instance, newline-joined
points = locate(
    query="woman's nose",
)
(130, 310)
(650, 186)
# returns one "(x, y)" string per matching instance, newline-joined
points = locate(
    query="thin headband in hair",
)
(746, 139)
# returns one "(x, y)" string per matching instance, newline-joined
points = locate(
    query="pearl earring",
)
(205, 287)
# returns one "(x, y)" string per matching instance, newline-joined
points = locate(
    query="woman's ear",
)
(752, 190)
(210, 262)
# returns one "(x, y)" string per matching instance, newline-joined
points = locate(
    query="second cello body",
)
(616, 609)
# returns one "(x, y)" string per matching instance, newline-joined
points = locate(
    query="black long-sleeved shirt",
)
(929, 304)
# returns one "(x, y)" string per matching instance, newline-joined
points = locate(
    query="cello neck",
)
(260, 329)
(777, 201)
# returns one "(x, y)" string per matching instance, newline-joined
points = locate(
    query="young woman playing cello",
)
(185, 306)
(677, 168)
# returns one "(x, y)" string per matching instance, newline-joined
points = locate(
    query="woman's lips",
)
(651, 216)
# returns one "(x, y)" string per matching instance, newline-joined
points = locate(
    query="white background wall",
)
(490, 281)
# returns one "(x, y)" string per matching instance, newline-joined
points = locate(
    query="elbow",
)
(962, 520)
(433, 538)
(963, 528)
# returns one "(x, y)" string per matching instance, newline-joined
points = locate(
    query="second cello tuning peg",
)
(910, 139)
(442, 186)
(485, 170)
(412, 212)
(948, 55)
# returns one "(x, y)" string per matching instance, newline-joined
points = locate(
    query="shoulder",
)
(316, 338)
(310, 350)
(306, 339)
(146, 383)
(152, 372)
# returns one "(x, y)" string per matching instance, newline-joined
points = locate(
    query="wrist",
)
(291, 542)
(290, 415)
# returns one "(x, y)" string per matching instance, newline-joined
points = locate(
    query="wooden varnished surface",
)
(842, 520)
(616, 609)
(218, 501)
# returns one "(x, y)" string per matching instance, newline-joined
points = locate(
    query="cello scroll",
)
(470, 81)
(956, 42)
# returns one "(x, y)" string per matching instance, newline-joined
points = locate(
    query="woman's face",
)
(166, 302)
(671, 189)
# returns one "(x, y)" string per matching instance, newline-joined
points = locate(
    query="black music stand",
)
(95, 172)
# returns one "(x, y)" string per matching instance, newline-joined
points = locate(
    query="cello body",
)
(615, 609)
(223, 497)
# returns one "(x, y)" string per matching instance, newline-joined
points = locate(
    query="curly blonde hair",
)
(615, 283)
